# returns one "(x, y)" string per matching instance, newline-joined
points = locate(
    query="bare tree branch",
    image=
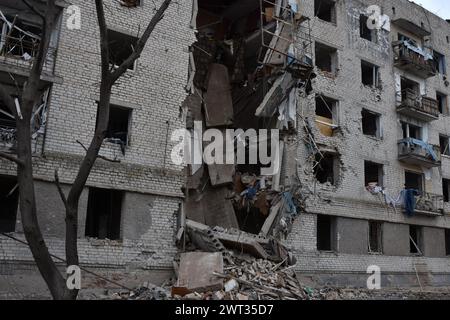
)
(12, 158)
(104, 47)
(60, 190)
(141, 42)
(98, 156)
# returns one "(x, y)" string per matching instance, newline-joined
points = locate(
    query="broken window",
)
(414, 181)
(121, 46)
(446, 189)
(130, 3)
(444, 145)
(447, 242)
(104, 214)
(9, 198)
(7, 125)
(364, 31)
(415, 239)
(409, 88)
(326, 58)
(325, 10)
(326, 115)
(371, 123)
(373, 173)
(411, 131)
(375, 237)
(402, 37)
(20, 41)
(442, 103)
(326, 168)
(370, 74)
(118, 126)
(325, 233)
(439, 59)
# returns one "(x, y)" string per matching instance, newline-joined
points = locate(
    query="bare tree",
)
(23, 159)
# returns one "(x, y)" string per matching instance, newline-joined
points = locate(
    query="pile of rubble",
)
(243, 279)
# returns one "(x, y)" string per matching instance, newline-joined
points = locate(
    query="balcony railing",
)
(417, 106)
(413, 60)
(417, 152)
(429, 204)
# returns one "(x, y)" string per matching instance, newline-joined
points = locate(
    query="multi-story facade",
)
(377, 118)
(382, 92)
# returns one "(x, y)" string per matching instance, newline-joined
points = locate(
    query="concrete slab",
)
(196, 271)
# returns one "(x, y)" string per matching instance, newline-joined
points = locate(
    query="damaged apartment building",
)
(363, 119)
(363, 150)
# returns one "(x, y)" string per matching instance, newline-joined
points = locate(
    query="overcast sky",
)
(439, 7)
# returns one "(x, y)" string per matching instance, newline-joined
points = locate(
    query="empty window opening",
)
(326, 168)
(446, 189)
(439, 60)
(447, 242)
(409, 88)
(371, 123)
(325, 107)
(402, 37)
(104, 214)
(9, 198)
(415, 240)
(118, 125)
(444, 145)
(393, 10)
(325, 233)
(414, 180)
(121, 46)
(326, 58)
(325, 10)
(364, 30)
(370, 74)
(326, 115)
(373, 173)
(375, 237)
(442, 103)
(411, 131)
(448, 39)
(7, 120)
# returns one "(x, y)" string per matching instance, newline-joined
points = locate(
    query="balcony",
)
(417, 152)
(413, 60)
(431, 205)
(418, 107)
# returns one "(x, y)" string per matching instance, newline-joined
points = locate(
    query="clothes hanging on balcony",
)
(417, 50)
(394, 202)
(423, 145)
(410, 201)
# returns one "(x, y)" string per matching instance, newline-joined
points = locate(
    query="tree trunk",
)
(27, 205)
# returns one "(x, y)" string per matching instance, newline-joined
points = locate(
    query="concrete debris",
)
(243, 279)
(218, 104)
(231, 285)
(196, 272)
